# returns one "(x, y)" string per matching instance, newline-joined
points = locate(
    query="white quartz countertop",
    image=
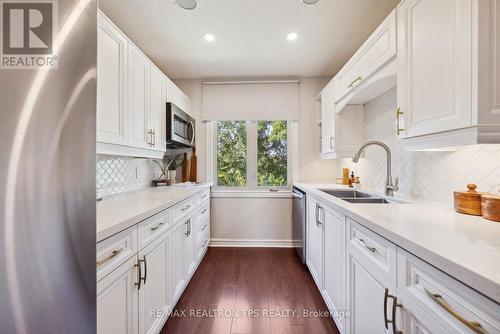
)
(463, 246)
(120, 212)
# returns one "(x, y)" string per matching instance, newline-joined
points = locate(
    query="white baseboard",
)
(251, 243)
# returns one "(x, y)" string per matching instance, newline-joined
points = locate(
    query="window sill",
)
(222, 193)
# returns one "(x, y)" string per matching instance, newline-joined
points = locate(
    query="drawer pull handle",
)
(157, 227)
(371, 249)
(186, 207)
(204, 244)
(204, 210)
(472, 325)
(109, 257)
(204, 196)
(204, 227)
(355, 80)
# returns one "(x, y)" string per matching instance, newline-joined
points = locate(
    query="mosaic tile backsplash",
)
(116, 174)
(429, 176)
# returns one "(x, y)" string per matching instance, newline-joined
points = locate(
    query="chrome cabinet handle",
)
(203, 211)
(395, 305)
(186, 207)
(154, 228)
(332, 146)
(399, 129)
(320, 215)
(150, 132)
(371, 249)
(472, 325)
(355, 80)
(139, 274)
(108, 258)
(188, 227)
(204, 227)
(316, 213)
(194, 130)
(204, 244)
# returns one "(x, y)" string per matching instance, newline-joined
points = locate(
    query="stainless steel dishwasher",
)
(299, 222)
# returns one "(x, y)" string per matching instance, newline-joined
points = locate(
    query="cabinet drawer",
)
(203, 212)
(456, 307)
(153, 227)
(373, 249)
(182, 208)
(203, 196)
(115, 250)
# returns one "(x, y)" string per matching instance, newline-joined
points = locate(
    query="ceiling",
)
(250, 35)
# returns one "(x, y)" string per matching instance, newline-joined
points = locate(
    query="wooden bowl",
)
(490, 204)
(468, 202)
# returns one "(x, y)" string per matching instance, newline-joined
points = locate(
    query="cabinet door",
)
(177, 97)
(190, 263)
(366, 297)
(111, 83)
(334, 278)
(178, 259)
(314, 252)
(154, 295)
(138, 75)
(327, 120)
(117, 300)
(434, 65)
(157, 107)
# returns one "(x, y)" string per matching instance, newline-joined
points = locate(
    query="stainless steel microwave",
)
(180, 128)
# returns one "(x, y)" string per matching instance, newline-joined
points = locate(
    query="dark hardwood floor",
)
(230, 283)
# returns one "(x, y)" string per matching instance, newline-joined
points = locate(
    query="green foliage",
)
(231, 153)
(272, 153)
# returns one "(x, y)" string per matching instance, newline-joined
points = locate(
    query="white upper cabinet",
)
(327, 119)
(111, 72)
(177, 97)
(157, 107)
(341, 133)
(369, 72)
(448, 72)
(131, 97)
(140, 132)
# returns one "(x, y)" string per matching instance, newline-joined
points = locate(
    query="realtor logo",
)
(28, 29)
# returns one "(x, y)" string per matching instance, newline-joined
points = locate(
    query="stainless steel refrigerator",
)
(47, 174)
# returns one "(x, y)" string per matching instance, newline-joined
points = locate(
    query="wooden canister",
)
(490, 204)
(468, 202)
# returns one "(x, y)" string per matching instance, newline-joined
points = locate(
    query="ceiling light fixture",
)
(209, 37)
(291, 36)
(310, 2)
(187, 4)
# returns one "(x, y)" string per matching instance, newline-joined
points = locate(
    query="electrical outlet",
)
(138, 173)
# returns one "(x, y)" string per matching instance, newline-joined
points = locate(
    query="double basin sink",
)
(354, 196)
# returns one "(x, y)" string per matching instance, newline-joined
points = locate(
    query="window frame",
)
(252, 186)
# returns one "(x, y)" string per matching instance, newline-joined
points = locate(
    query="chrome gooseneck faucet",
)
(390, 188)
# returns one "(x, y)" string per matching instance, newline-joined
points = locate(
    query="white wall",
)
(265, 221)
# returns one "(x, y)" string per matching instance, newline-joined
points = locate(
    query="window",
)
(252, 154)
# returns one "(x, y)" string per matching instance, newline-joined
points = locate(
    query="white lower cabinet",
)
(381, 288)
(314, 245)
(178, 254)
(334, 268)
(117, 300)
(137, 290)
(370, 297)
(154, 293)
